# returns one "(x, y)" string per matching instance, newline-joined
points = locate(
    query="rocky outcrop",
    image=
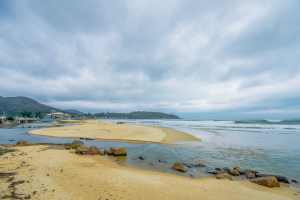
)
(236, 171)
(268, 181)
(180, 167)
(22, 143)
(281, 179)
(117, 151)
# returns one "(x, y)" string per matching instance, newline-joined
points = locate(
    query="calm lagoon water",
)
(268, 148)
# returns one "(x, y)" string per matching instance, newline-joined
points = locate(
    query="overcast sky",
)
(187, 56)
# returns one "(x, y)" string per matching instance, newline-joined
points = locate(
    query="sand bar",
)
(122, 132)
(59, 174)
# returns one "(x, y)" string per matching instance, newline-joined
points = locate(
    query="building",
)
(56, 116)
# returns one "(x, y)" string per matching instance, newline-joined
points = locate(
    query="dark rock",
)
(82, 150)
(267, 181)
(281, 179)
(294, 181)
(118, 151)
(234, 172)
(84, 138)
(214, 172)
(179, 167)
(162, 161)
(141, 158)
(93, 151)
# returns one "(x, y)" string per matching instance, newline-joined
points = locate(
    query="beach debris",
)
(179, 167)
(22, 143)
(268, 181)
(224, 175)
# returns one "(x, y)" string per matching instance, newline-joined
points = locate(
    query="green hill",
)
(23, 106)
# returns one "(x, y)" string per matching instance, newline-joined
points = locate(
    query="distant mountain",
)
(136, 115)
(23, 106)
(73, 112)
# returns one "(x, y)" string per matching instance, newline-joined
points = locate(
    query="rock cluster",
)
(22, 143)
(267, 180)
(82, 149)
(116, 151)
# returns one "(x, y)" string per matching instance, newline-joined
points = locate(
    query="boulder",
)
(223, 176)
(234, 172)
(82, 150)
(267, 181)
(108, 152)
(281, 179)
(118, 151)
(179, 167)
(141, 158)
(294, 181)
(93, 151)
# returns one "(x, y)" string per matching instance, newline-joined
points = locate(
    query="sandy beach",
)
(43, 172)
(100, 130)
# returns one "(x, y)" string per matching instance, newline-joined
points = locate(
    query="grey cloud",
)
(179, 56)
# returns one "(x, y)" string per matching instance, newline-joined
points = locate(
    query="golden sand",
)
(122, 132)
(59, 174)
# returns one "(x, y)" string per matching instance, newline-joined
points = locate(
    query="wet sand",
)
(117, 132)
(48, 173)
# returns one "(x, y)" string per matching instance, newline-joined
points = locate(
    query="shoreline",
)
(55, 173)
(107, 131)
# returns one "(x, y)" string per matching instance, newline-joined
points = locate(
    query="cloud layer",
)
(175, 56)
